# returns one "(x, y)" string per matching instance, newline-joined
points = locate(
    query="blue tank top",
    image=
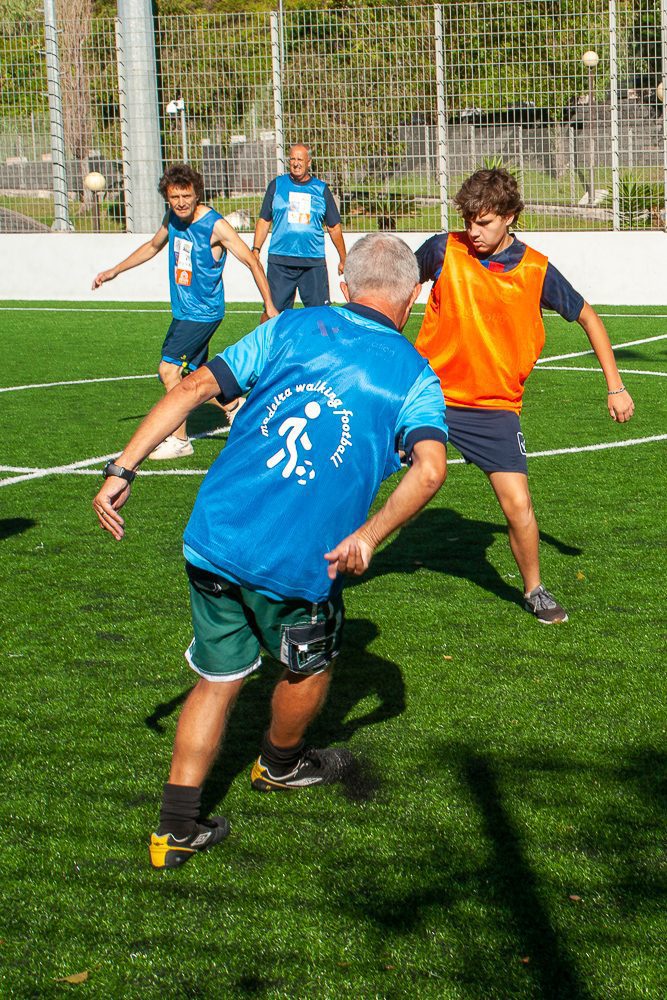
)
(298, 217)
(195, 277)
(308, 453)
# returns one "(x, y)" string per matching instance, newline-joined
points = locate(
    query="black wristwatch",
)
(111, 469)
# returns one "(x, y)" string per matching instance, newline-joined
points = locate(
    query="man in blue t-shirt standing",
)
(298, 206)
(334, 394)
(198, 239)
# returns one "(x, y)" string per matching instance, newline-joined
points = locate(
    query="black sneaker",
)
(543, 605)
(314, 767)
(167, 851)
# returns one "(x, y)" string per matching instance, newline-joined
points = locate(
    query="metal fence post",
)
(124, 137)
(442, 117)
(615, 159)
(276, 63)
(663, 71)
(61, 221)
(142, 152)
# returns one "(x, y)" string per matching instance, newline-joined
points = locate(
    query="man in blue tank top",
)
(299, 206)
(334, 394)
(198, 239)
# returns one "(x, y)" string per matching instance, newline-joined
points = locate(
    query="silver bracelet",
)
(615, 392)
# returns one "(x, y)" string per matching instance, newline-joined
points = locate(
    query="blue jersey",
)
(299, 210)
(195, 276)
(557, 292)
(333, 391)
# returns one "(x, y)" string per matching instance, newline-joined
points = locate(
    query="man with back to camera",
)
(335, 393)
(298, 206)
(199, 239)
(483, 332)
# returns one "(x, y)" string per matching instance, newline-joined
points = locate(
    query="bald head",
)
(299, 162)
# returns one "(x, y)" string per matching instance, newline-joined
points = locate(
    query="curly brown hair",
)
(493, 190)
(181, 175)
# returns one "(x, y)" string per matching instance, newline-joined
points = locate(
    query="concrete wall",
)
(610, 268)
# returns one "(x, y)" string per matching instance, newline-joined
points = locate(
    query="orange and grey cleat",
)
(168, 851)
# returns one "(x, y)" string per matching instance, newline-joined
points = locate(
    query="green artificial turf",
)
(507, 838)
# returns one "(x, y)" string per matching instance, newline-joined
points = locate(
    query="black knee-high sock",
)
(280, 760)
(181, 805)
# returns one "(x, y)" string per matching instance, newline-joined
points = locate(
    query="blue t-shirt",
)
(334, 391)
(557, 292)
(195, 276)
(298, 211)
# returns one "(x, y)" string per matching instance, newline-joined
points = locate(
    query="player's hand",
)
(270, 312)
(341, 267)
(103, 276)
(621, 406)
(108, 502)
(352, 556)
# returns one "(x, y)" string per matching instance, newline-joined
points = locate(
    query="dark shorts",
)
(311, 282)
(489, 439)
(186, 343)
(231, 623)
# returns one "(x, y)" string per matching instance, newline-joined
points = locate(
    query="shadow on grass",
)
(496, 924)
(445, 542)
(10, 526)
(357, 675)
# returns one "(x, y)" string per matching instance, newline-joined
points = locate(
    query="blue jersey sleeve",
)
(559, 295)
(331, 215)
(239, 366)
(266, 211)
(430, 257)
(422, 416)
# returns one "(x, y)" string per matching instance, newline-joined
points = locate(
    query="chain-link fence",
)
(398, 104)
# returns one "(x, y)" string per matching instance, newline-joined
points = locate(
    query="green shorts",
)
(231, 623)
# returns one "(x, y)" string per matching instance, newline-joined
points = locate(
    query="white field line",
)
(92, 309)
(598, 371)
(614, 347)
(541, 361)
(78, 381)
(75, 467)
(79, 468)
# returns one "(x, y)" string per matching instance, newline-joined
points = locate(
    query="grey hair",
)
(383, 263)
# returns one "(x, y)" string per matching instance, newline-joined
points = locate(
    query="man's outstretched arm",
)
(164, 418)
(421, 482)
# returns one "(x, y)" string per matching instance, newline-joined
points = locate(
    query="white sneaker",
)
(231, 414)
(172, 447)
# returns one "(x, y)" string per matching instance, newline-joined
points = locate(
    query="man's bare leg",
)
(296, 702)
(170, 376)
(200, 730)
(511, 488)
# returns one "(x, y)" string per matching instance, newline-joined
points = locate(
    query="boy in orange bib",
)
(482, 333)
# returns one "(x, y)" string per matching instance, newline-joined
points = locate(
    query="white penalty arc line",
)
(80, 468)
(614, 347)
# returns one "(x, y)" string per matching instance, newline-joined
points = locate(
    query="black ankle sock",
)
(181, 805)
(280, 760)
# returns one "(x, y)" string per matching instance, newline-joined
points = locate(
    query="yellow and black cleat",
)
(168, 851)
(314, 767)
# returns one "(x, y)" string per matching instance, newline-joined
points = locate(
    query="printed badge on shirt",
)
(183, 254)
(299, 208)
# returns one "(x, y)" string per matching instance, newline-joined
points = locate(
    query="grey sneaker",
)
(314, 767)
(543, 605)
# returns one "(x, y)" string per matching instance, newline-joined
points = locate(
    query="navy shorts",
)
(186, 343)
(311, 282)
(490, 439)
